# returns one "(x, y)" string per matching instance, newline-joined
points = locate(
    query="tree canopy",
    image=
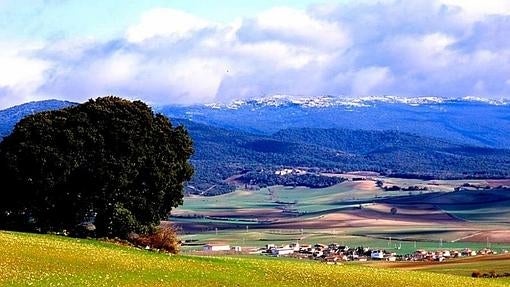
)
(109, 163)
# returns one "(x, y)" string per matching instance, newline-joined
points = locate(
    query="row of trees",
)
(269, 178)
(110, 165)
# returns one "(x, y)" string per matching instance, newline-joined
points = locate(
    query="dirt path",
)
(468, 236)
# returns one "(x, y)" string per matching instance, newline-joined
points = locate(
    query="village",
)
(335, 253)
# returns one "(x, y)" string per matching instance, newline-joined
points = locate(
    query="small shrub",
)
(162, 238)
(476, 274)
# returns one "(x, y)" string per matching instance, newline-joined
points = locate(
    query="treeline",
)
(269, 178)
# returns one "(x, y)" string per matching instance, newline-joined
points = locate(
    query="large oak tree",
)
(108, 162)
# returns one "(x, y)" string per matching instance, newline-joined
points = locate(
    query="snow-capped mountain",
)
(330, 101)
(469, 120)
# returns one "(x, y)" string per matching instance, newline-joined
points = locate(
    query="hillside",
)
(221, 153)
(9, 117)
(45, 260)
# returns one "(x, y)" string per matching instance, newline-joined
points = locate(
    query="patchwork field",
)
(435, 213)
(44, 260)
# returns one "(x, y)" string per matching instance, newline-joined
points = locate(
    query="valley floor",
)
(453, 214)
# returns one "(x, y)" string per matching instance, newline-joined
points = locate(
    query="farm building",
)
(216, 247)
(282, 251)
(377, 254)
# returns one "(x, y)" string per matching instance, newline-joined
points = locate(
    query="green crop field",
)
(304, 199)
(45, 260)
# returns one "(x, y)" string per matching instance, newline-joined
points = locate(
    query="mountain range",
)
(473, 121)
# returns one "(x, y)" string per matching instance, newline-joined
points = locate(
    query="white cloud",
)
(21, 73)
(369, 80)
(116, 70)
(298, 26)
(422, 53)
(168, 23)
(185, 76)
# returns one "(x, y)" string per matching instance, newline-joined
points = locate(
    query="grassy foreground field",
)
(499, 264)
(43, 260)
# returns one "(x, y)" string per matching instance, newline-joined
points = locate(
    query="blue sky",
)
(49, 19)
(188, 52)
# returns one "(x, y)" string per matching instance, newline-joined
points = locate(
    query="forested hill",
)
(221, 153)
(362, 141)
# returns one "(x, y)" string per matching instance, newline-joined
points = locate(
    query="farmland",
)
(45, 260)
(355, 212)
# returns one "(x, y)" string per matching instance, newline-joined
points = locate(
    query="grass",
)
(307, 200)
(44, 260)
(464, 267)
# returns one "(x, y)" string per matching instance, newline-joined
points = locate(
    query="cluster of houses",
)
(441, 255)
(290, 171)
(328, 253)
(334, 253)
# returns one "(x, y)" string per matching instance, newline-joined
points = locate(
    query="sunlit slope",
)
(39, 260)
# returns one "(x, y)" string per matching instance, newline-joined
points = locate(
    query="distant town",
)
(334, 253)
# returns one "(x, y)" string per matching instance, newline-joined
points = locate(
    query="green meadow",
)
(46, 260)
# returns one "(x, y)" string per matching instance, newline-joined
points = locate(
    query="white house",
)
(282, 251)
(216, 247)
(377, 254)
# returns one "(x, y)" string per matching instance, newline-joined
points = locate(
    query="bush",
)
(476, 274)
(162, 238)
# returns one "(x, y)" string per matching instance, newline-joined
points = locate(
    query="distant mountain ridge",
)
(9, 117)
(473, 121)
(330, 101)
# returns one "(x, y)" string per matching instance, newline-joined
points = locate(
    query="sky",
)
(199, 51)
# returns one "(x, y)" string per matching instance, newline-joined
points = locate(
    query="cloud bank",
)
(391, 47)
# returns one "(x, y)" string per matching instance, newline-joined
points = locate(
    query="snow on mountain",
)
(494, 102)
(329, 101)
